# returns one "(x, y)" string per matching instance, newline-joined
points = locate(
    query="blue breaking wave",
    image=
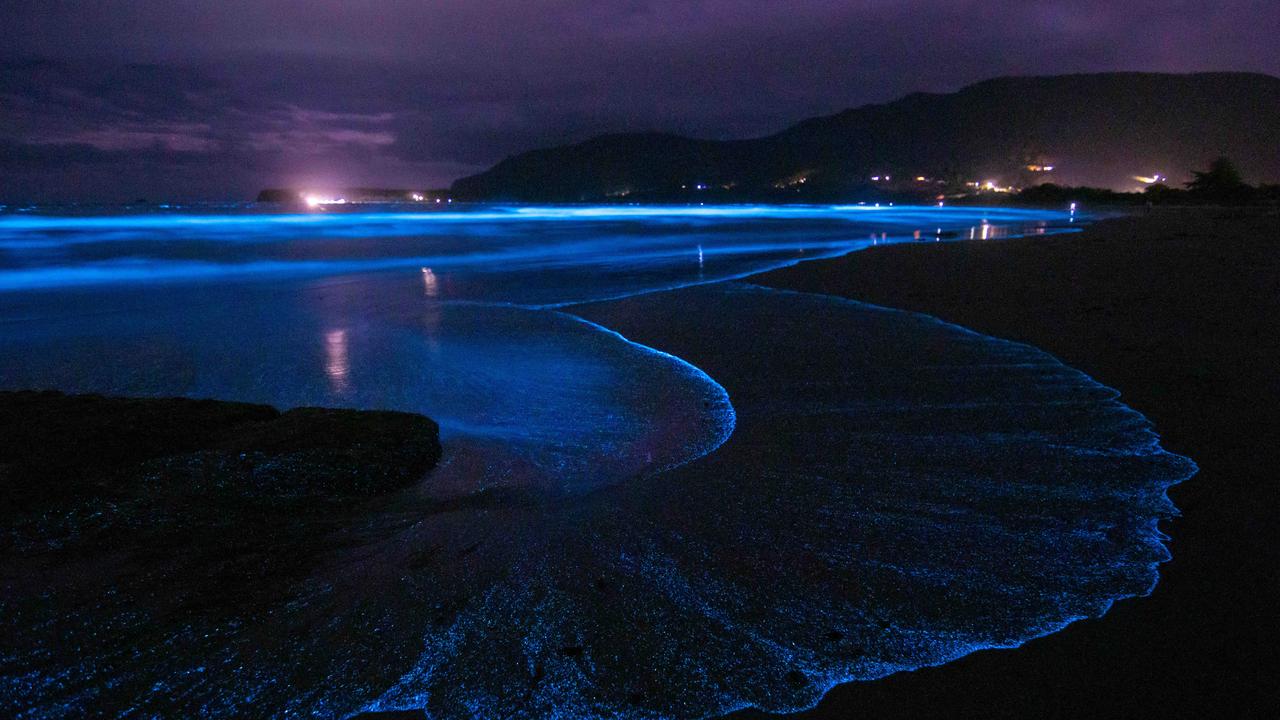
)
(743, 496)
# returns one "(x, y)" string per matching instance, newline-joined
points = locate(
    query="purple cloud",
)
(217, 99)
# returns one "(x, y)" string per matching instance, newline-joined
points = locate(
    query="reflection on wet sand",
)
(804, 491)
(430, 285)
(337, 365)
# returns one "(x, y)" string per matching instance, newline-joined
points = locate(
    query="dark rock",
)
(85, 467)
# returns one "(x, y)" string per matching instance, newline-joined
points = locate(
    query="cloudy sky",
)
(185, 99)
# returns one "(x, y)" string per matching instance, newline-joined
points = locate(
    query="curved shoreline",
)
(1155, 535)
(726, 434)
(728, 419)
(1169, 308)
(1176, 468)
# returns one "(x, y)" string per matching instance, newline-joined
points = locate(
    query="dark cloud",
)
(217, 98)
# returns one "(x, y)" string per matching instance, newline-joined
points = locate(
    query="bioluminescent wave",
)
(556, 403)
(525, 255)
(663, 494)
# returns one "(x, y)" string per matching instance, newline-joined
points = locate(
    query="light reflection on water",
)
(337, 365)
(908, 488)
(232, 303)
(430, 284)
(525, 255)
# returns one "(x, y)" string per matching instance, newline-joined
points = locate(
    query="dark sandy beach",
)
(1176, 309)
(1179, 310)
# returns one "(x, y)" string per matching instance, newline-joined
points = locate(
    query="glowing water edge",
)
(666, 492)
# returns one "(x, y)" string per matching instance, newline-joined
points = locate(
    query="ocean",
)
(665, 491)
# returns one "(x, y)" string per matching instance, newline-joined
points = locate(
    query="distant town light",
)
(314, 200)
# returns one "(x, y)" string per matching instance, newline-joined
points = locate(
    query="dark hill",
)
(1100, 130)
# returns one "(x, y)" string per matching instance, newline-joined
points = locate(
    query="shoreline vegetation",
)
(1220, 184)
(1119, 133)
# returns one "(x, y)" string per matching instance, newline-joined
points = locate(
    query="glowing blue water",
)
(525, 255)
(379, 309)
(804, 491)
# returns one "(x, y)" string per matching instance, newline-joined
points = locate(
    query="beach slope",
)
(1178, 310)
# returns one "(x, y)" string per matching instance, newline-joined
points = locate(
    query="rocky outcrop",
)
(97, 472)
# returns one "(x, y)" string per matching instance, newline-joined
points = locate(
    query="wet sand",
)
(1179, 310)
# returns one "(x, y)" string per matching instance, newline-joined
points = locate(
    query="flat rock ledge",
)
(89, 471)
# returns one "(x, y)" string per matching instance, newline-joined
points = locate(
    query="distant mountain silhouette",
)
(1100, 129)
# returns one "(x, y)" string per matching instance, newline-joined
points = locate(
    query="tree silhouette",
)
(1221, 182)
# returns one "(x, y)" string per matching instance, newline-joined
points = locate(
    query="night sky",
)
(177, 99)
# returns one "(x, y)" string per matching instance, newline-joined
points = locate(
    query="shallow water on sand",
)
(422, 312)
(525, 255)
(676, 502)
(541, 399)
